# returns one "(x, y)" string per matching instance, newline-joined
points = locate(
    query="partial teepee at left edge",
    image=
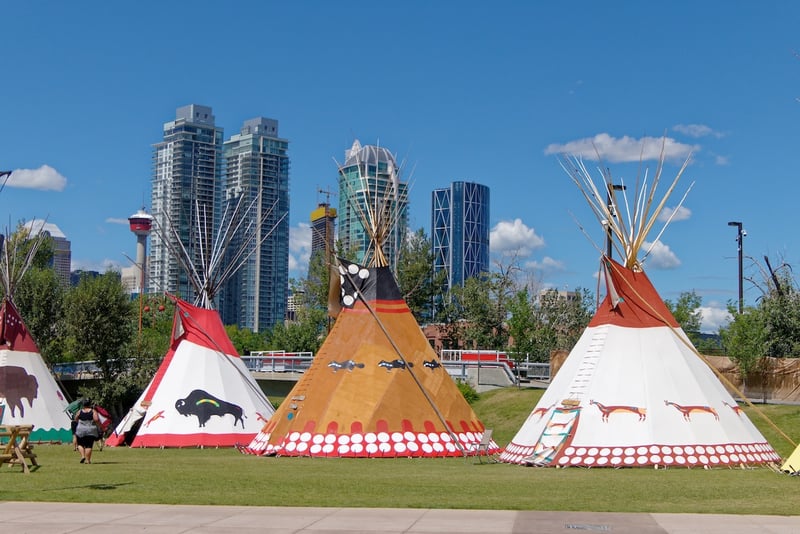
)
(29, 395)
(202, 395)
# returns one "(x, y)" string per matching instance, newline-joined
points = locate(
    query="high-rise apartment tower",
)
(186, 197)
(257, 172)
(323, 228)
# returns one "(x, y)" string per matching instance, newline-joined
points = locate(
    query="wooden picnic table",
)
(16, 449)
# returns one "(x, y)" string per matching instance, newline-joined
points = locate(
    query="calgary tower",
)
(141, 223)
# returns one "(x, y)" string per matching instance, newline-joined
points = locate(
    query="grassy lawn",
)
(194, 476)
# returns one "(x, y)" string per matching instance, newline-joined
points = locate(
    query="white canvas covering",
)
(201, 395)
(634, 392)
(29, 395)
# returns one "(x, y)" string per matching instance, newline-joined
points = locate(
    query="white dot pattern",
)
(729, 454)
(370, 444)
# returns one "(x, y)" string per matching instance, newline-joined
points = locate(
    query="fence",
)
(278, 361)
(519, 367)
(456, 362)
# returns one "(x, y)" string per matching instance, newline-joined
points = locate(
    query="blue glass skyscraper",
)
(460, 231)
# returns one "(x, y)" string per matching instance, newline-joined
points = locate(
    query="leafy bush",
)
(468, 391)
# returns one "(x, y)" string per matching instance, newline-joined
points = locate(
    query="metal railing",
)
(520, 367)
(278, 361)
(299, 362)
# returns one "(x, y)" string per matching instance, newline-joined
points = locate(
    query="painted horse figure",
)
(608, 410)
(735, 407)
(689, 409)
(541, 411)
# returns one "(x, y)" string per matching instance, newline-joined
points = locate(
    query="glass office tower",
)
(370, 187)
(460, 231)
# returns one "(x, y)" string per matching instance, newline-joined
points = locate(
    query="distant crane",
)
(328, 193)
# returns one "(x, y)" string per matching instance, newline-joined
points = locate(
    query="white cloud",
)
(299, 249)
(681, 214)
(722, 160)
(116, 220)
(514, 236)
(660, 257)
(715, 316)
(697, 130)
(45, 178)
(623, 149)
(547, 264)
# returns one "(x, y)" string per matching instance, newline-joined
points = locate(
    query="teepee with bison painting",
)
(375, 388)
(634, 391)
(29, 395)
(202, 394)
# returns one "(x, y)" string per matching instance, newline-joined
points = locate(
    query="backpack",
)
(86, 428)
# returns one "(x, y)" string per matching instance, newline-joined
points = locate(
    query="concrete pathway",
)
(56, 518)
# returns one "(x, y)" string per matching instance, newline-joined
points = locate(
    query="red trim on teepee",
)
(639, 306)
(13, 331)
(200, 326)
(191, 440)
(382, 306)
(203, 327)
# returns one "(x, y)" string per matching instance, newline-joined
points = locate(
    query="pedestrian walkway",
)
(57, 518)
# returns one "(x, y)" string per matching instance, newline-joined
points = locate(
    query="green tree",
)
(686, 311)
(39, 297)
(100, 322)
(780, 307)
(549, 321)
(415, 277)
(483, 302)
(451, 324)
(304, 335)
(245, 340)
(521, 322)
(745, 339)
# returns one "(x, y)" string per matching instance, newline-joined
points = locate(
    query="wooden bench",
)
(17, 449)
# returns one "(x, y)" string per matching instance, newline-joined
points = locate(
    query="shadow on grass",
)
(92, 486)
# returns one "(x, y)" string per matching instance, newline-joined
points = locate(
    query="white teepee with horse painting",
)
(634, 391)
(202, 394)
(29, 395)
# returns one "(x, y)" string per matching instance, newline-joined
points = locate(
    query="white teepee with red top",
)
(202, 394)
(634, 391)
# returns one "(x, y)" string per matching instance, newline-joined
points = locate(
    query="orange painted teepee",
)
(376, 388)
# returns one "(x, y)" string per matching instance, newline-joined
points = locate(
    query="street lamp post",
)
(739, 235)
(6, 175)
(612, 211)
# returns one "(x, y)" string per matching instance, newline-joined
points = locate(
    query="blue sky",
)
(485, 92)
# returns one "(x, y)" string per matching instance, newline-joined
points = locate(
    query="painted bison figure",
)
(16, 384)
(204, 405)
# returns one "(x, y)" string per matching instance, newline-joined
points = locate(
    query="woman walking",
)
(86, 430)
